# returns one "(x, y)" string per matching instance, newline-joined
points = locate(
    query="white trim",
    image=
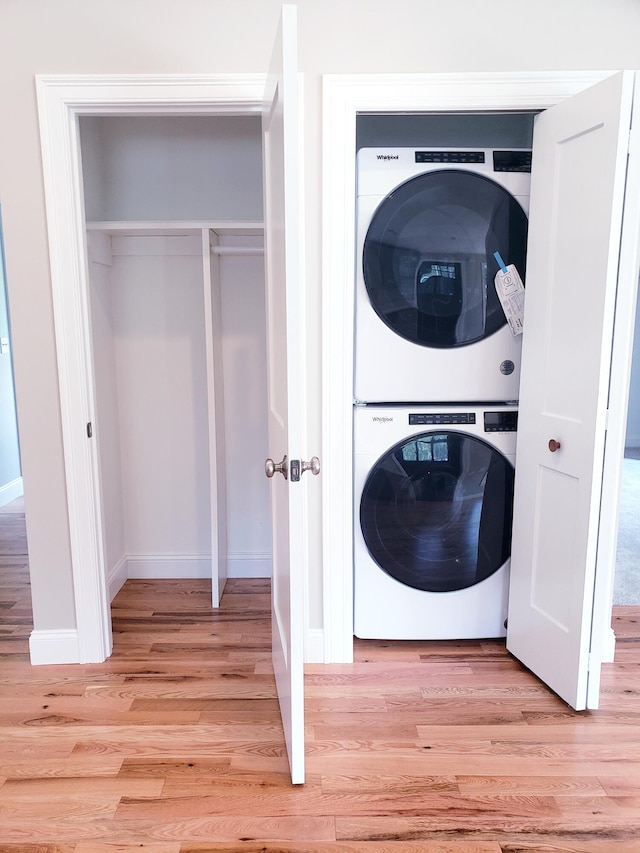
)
(241, 565)
(167, 566)
(10, 491)
(344, 96)
(54, 647)
(61, 100)
(314, 645)
(246, 565)
(116, 578)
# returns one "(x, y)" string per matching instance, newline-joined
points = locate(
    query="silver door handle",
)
(270, 467)
(313, 465)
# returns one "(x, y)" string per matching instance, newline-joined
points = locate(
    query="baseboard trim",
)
(249, 565)
(10, 491)
(116, 577)
(54, 647)
(314, 646)
(168, 566)
(162, 566)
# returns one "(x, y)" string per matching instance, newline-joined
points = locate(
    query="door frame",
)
(344, 97)
(62, 99)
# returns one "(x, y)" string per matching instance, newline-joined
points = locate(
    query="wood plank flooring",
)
(174, 745)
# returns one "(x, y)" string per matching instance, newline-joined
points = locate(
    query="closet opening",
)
(174, 237)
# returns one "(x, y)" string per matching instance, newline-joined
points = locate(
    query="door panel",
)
(577, 202)
(285, 354)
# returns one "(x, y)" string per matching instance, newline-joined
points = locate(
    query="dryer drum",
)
(436, 511)
(428, 257)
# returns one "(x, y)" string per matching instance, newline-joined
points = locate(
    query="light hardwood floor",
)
(174, 745)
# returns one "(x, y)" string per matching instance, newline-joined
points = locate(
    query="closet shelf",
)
(237, 250)
(177, 227)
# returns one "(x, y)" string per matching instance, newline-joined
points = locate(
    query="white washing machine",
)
(428, 323)
(433, 498)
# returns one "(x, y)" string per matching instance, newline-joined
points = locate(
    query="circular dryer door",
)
(428, 258)
(436, 511)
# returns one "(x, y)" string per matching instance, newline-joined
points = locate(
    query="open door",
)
(576, 239)
(286, 381)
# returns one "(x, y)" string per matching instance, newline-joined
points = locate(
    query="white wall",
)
(162, 167)
(151, 406)
(154, 462)
(245, 410)
(196, 36)
(107, 414)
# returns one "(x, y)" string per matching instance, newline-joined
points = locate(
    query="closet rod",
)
(237, 250)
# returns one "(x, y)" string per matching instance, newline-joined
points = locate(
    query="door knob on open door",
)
(270, 467)
(313, 466)
(554, 445)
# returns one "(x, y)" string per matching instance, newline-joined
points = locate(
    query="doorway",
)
(345, 98)
(173, 203)
(63, 102)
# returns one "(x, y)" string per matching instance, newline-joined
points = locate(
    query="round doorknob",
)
(270, 467)
(554, 445)
(313, 465)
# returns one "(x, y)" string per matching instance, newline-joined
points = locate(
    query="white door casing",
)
(61, 100)
(575, 227)
(286, 381)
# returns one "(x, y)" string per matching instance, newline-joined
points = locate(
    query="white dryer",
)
(433, 498)
(428, 323)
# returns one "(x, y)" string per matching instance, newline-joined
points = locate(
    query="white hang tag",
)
(510, 290)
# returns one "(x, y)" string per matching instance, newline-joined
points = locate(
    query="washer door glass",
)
(436, 511)
(428, 258)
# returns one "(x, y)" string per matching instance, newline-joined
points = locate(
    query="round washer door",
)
(428, 257)
(436, 511)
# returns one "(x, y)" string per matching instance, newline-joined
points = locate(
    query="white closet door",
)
(576, 224)
(285, 356)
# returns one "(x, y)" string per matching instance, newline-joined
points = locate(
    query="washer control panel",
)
(500, 421)
(441, 418)
(449, 156)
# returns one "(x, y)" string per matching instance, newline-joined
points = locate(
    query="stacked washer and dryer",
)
(436, 388)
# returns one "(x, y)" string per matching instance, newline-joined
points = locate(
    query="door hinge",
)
(89, 430)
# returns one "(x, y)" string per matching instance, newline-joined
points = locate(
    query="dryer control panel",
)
(500, 421)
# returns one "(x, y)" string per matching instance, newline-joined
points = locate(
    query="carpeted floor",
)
(627, 580)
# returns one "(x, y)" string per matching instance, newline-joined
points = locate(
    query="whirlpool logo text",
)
(388, 157)
(378, 419)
